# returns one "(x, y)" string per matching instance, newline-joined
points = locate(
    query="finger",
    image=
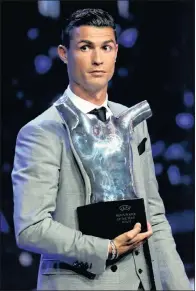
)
(135, 245)
(149, 232)
(136, 226)
(132, 233)
(144, 235)
(149, 226)
(134, 240)
(140, 237)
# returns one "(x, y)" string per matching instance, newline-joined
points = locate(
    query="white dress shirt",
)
(86, 106)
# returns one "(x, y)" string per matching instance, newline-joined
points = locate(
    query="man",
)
(57, 169)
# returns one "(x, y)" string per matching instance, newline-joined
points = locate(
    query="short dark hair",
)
(88, 16)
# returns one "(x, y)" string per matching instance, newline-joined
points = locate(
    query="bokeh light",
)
(174, 175)
(185, 120)
(158, 148)
(42, 64)
(123, 72)
(128, 37)
(19, 95)
(158, 169)
(25, 259)
(49, 8)
(188, 99)
(175, 152)
(33, 33)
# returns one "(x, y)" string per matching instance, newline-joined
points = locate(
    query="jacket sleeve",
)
(172, 272)
(35, 177)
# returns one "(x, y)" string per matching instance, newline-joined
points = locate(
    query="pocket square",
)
(141, 146)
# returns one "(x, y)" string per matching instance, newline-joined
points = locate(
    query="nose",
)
(97, 58)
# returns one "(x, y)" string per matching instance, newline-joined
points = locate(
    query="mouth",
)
(98, 72)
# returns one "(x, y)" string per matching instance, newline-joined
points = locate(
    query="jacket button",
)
(137, 253)
(140, 271)
(75, 264)
(114, 268)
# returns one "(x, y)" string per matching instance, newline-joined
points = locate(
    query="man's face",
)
(91, 57)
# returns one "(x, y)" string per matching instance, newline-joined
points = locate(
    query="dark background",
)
(158, 67)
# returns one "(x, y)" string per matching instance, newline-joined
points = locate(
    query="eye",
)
(107, 48)
(84, 48)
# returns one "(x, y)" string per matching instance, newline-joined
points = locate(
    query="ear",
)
(62, 52)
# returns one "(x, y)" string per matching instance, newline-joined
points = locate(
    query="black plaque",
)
(112, 218)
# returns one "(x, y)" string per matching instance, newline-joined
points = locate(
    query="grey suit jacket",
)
(49, 183)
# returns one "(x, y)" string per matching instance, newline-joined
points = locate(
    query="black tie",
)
(100, 113)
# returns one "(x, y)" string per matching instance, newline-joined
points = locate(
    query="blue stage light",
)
(28, 103)
(182, 221)
(4, 227)
(186, 180)
(175, 152)
(185, 120)
(19, 95)
(188, 98)
(42, 64)
(123, 72)
(128, 37)
(174, 175)
(118, 30)
(6, 167)
(25, 259)
(33, 33)
(158, 169)
(188, 157)
(123, 9)
(110, 84)
(49, 8)
(52, 52)
(158, 148)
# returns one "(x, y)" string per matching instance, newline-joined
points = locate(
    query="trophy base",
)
(112, 218)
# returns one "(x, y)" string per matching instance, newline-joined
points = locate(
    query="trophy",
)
(103, 150)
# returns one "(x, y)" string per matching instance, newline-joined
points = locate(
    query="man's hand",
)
(131, 239)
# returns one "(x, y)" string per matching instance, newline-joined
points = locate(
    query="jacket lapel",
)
(114, 107)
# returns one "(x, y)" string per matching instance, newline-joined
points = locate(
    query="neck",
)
(95, 97)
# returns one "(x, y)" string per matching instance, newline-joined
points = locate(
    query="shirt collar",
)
(84, 105)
